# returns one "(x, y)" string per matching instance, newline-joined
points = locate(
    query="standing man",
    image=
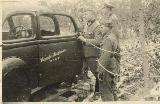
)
(92, 34)
(108, 67)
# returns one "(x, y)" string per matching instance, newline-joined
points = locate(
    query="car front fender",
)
(10, 64)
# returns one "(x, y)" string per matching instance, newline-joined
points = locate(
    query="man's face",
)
(88, 15)
(105, 25)
(106, 11)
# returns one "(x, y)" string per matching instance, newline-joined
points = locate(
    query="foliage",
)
(132, 79)
(152, 21)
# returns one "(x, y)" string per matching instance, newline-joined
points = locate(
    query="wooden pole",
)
(145, 65)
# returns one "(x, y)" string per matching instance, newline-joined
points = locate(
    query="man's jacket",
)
(94, 36)
(110, 59)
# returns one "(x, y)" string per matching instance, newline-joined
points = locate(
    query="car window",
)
(6, 30)
(66, 25)
(6, 27)
(18, 27)
(47, 26)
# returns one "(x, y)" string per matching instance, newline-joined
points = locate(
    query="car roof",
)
(13, 7)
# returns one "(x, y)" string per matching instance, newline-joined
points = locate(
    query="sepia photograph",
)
(80, 50)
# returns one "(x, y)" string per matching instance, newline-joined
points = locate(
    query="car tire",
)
(72, 80)
(16, 87)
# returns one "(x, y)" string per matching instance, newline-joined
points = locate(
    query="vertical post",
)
(145, 65)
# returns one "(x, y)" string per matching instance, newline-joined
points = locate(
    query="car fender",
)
(12, 63)
(16, 84)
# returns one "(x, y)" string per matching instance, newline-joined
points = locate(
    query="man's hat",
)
(88, 10)
(108, 5)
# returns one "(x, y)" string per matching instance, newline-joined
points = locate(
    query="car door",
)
(60, 52)
(19, 39)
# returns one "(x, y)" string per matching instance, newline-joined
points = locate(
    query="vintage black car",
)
(39, 48)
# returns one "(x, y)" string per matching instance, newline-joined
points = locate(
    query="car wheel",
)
(16, 87)
(72, 80)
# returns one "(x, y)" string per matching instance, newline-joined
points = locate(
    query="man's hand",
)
(82, 38)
